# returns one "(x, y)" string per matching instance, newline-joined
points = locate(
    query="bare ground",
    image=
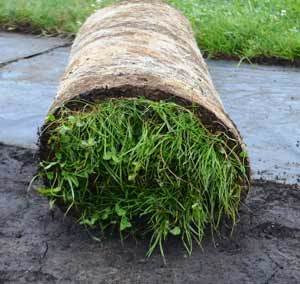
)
(41, 247)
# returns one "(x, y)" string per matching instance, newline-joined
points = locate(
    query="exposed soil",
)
(40, 246)
(262, 59)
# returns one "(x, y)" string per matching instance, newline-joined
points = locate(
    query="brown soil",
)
(262, 59)
(39, 246)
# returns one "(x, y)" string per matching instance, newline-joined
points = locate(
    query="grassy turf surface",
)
(238, 28)
(143, 166)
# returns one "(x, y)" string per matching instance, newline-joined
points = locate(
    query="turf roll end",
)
(127, 160)
(137, 136)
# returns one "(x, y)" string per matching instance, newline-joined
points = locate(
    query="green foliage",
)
(47, 16)
(243, 28)
(143, 166)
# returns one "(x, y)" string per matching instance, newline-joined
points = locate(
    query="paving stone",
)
(14, 46)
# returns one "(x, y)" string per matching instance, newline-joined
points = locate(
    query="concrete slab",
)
(27, 88)
(15, 46)
(263, 101)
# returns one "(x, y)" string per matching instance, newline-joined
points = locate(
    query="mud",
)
(41, 246)
(262, 60)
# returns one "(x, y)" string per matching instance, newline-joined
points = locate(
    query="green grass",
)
(144, 167)
(239, 28)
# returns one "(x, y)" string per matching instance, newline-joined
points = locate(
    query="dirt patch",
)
(43, 247)
(262, 60)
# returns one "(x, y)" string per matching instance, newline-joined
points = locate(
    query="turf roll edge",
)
(137, 137)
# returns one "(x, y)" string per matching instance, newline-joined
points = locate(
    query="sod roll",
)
(142, 49)
(137, 128)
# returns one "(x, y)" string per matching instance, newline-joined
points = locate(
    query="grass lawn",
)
(230, 28)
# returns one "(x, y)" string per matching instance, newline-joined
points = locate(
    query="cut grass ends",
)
(146, 167)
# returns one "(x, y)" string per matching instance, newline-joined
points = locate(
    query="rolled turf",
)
(124, 160)
(137, 137)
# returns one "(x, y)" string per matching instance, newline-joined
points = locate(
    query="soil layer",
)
(42, 246)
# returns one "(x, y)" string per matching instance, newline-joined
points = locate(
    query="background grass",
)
(230, 28)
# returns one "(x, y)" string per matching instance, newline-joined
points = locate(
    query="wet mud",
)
(42, 246)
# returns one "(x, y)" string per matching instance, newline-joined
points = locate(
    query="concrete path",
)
(18, 46)
(263, 101)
